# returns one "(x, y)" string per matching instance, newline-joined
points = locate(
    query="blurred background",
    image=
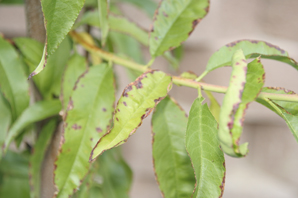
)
(270, 169)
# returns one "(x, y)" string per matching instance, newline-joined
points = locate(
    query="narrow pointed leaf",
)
(245, 84)
(172, 165)
(5, 120)
(174, 22)
(287, 110)
(116, 24)
(204, 150)
(251, 49)
(49, 81)
(14, 175)
(34, 113)
(103, 7)
(76, 66)
(136, 103)
(13, 82)
(37, 157)
(88, 116)
(214, 106)
(59, 16)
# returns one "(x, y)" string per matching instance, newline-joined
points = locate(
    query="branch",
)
(176, 79)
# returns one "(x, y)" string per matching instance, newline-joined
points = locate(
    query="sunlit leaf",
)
(206, 156)
(37, 157)
(36, 112)
(117, 24)
(76, 66)
(251, 49)
(174, 22)
(245, 84)
(89, 113)
(59, 16)
(172, 165)
(103, 7)
(13, 82)
(136, 103)
(14, 177)
(287, 110)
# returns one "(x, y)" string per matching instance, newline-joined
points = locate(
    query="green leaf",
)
(134, 51)
(174, 22)
(245, 84)
(172, 165)
(251, 49)
(5, 120)
(89, 113)
(34, 113)
(13, 82)
(116, 24)
(76, 66)
(203, 147)
(214, 106)
(136, 103)
(11, 2)
(14, 178)
(59, 16)
(103, 7)
(287, 110)
(49, 81)
(149, 6)
(37, 157)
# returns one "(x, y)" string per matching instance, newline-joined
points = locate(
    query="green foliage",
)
(169, 154)
(203, 147)
(188, 153)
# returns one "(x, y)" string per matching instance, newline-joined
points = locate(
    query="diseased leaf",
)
(174, 22)
(103, 7)
(172, 165)
(245, 84)
(37, 157)
(76, 66)
(59, 16)
(88, 116)
(251, 49)
(49, 81)
(116, 24)
(136, 103)
(5, 120)
(287, 110)
(14, 175)
(13, 82)
(203, 148)
(34, 113)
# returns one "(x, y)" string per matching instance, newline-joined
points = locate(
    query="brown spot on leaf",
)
(124, 103)
(76, 127)
(104, 109)
(165, 14)
(156, 38)
(222, 186)
(117, 119)
(118, 110)
(98, 129)
(70, 104)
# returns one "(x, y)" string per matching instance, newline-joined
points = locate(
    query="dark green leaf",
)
(251, 49)
(136, 103)
(34, 113)
(245, 84)
(13, 82)
(89, 113)
(174, 22)
(14, 177)
(60, 16)
(37, 157)
(287, 110)
(172, 165)
(11, 1)
(206, 156)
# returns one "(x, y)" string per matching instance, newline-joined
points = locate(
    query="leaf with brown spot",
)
(135, 102)
(251, 49)
(82, 124)
(246, 83)
(174, 21)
